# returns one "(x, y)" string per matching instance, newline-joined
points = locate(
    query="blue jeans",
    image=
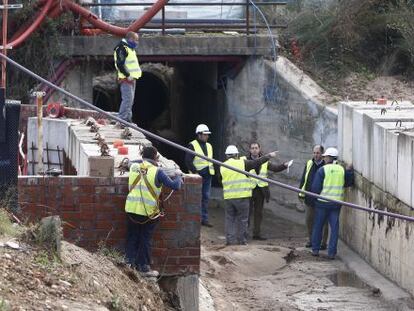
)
(138, 243)
(323, 214)
(127, 100)
(205, 195)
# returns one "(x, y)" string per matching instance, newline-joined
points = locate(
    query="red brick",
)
(86, 181)
(70, 216)
(104, 224)
(69, 208)
(189, 217)
(194, 252)
(178, 252)
(87, 207)
(169, 225)
(87, 216)
(189, 260)
(85, 199)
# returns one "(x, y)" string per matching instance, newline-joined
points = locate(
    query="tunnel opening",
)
(171, 99)
(151, 102)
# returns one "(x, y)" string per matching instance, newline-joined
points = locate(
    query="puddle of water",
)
(347, 279)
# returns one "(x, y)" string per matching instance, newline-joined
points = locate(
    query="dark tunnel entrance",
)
(171, 100)
(151, 99)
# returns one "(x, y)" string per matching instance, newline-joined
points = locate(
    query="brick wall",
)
(92, 210)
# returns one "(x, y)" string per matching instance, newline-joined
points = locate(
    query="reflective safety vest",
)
(333, 183)
(143, 198)
(308, 168)
(131, 64)
(235, 185)
(200, 163)
(262, 173)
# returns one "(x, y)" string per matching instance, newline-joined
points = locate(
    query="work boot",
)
(323, 247)
(308, 245)
(259, 238)
(206, 224)
(315, 254)
(150, 274)
(331, 257)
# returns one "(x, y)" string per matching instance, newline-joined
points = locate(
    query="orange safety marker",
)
(123, 150)
(382, 101)
(118, 143)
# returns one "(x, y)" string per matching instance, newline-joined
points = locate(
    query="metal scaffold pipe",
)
(219, 163)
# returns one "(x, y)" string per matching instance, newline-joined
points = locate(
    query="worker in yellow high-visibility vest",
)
(308, 175)
(330, 181)
(142, 207)
(205, 169)
(261, 191)
(237, 191)
(128, 70)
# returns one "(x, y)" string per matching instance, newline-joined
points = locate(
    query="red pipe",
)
(55, 9)
(32, 27)
(115, 30)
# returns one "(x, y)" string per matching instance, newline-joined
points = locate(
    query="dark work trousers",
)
(236, 218)
(256, 210)
(138, 243)
(205, 194)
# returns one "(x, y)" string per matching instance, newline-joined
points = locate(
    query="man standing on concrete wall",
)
(261, 190)
(205, 169)
(329, 182)
(308, 175)
(237, 191)
(128, 69)
(142, 207)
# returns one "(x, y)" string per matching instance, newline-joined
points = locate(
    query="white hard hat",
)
(332, 152)
(231, 149)
(202, 128)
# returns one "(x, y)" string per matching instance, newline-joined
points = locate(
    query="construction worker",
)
(260, 188)
(127, 66)
(329, 182)
(308, 175)
(142, 208)
(237, 191)
(205, 169)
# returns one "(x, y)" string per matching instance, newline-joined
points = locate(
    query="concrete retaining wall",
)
(281, 108)
(381, 149)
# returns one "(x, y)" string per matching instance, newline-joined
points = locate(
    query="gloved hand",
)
(129, 78)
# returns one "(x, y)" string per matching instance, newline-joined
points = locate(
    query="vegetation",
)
(39, 52)
(365, 36)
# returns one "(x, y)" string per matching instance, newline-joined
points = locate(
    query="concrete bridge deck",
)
(193, 44)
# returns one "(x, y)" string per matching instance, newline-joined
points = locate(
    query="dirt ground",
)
(358, 87)
(280, 274)
(31, 280)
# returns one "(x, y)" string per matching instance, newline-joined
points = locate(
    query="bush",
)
(347, 34)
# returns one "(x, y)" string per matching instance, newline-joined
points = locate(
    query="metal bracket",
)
(397, 108)
(383, 111)
(398, 121)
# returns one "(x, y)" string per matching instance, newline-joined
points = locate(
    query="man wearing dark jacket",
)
(308, 175)
(260, 188)
(330, 181)
(128, 69)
